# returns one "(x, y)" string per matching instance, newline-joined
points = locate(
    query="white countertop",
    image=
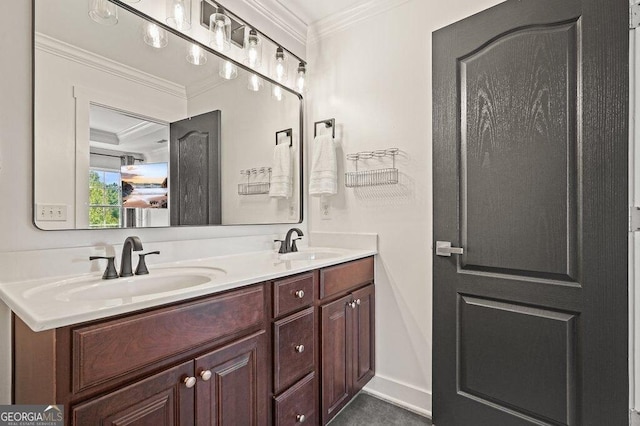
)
(35, 301)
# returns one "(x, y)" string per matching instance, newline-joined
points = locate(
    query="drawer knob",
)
(189, 382)
(299, 348)
(300, 418)
(300, 294)
(205, 375)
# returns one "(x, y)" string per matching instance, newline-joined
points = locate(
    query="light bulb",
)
(301, 79)
(279, 66)
(179, 14)
(155, 36)
(196, 55)
(227, 70)
(254, 50)
(276, 93)
(103, 12)
(220, 32)
(254, 83)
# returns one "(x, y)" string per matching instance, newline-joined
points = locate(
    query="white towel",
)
(324, 167)
(281, 171)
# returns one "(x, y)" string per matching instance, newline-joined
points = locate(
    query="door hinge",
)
(634, 15)
(634, 219)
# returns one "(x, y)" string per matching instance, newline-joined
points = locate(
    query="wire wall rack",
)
(258, 181)
(373, 177)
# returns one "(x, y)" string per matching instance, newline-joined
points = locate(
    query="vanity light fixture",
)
(103, 12)
(179, 14)
(253, 50)
(301, 79)
(254, 82)
(227, 70)
(196, 55)
(279, 66)
(220, 31)
(155, 36)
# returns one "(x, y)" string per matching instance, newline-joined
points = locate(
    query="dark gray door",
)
(530, 179)
(194, 181)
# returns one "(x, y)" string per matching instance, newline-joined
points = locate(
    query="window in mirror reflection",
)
(105, 200)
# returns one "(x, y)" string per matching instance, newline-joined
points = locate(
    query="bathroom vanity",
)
(287, 350)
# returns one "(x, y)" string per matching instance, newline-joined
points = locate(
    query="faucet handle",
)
(109, 273)
(141, 269)
(283, 246)
(294, 248)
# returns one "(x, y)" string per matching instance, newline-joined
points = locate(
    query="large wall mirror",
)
(135, 126)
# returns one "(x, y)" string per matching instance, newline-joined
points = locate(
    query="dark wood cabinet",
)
(199, 362)
(363, 337)
(162, 399)
(295, 350)
(232, 385)
(335, 344)
(347, 333)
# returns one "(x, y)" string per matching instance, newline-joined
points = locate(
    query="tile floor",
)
(366, 410)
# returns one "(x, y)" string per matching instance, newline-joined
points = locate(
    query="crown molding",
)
(345, 19)
(73, 53)
(281, 17)
(203, 86)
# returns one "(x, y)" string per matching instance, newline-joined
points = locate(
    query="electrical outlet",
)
(325, 209)
(293, 211)
(51, 212)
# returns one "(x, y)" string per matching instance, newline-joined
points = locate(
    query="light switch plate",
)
(51, 212)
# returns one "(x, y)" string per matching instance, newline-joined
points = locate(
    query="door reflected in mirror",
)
(135, 134)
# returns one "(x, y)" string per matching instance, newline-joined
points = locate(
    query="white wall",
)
(374, 77)
(249, 123)
(17, 233)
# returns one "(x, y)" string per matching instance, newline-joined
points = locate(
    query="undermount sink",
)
(311, 254)
(159, 280)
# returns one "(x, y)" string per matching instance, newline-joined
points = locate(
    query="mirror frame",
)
(208, 49)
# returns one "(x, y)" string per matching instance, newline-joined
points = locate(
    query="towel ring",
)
(331, 122)
(288, 132)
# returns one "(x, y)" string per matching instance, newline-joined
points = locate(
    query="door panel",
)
(194, 182)
(336, 346)
(236, 393)
(530, 136)
(363, 337)
(162, 399)
(518, 356)
(518, 112)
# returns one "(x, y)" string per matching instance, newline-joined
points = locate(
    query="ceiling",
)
(310, 11)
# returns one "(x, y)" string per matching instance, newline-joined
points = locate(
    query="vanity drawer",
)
(293, 348)
(296, 402)
(292, 294)
(342, 278)
(114, 348)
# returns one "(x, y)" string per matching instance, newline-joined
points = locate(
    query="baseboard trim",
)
(401, 394)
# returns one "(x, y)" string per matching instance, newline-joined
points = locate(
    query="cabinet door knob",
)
(189, 382)
(205, 375)
(300, 418)
(299, 294)
(299, 348)
(358, 302)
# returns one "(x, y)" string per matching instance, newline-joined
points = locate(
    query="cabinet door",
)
(162, 399)
(336, 350)
(363, 337)
(232, 384)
